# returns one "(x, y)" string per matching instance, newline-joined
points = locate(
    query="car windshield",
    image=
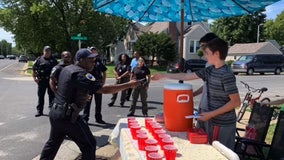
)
(246, 58)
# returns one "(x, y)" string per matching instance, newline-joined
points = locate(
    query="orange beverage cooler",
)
(178, 103)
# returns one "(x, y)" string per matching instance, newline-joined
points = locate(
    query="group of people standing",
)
(71, 89)
(135, 70)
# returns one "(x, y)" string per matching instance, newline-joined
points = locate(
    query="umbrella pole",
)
(181, 29)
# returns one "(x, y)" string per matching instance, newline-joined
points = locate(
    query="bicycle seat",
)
(264, 89)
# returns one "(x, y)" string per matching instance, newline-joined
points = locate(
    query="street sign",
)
(79, 38)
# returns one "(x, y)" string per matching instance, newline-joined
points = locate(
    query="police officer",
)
(66, 59)
(142, 74)
(99, 72)
(74, 85)
(41, 72)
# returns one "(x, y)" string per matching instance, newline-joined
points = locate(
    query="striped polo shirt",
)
(221, 82)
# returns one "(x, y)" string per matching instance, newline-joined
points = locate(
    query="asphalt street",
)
(22, 136)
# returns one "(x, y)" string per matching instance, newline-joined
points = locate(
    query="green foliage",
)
(242, 29)
(199, 53)
(5, 48)
(158, 45)
(39, 23)
(275, 29)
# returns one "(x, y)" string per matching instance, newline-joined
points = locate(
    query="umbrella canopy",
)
(179, 10)
(170, 10)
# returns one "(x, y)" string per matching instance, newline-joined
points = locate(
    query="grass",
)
(110, 69)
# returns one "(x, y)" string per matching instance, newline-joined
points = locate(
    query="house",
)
(240, 49)
(192, 33)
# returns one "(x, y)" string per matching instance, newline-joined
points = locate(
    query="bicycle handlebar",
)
(260, 90)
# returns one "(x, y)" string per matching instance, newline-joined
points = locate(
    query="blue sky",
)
(271, 11)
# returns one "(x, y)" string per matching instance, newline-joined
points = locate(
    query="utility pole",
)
(258, 27)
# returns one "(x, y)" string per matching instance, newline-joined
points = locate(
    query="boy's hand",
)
(157, 76)
(205, 116)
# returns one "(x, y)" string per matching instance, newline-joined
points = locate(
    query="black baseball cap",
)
(84, 53)
(46, 47)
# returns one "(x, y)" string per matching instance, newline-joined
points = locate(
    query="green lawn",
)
(110, 69)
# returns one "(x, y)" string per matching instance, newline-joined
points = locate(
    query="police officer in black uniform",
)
(99, 72)
(41, 72)
(74, 84)
(66, 59)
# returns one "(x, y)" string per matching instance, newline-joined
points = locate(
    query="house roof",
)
(159, 27)
(253, 48)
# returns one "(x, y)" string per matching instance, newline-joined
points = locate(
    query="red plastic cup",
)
(158, 132)
(131, 121)
(151, 124)
(141, 141)
(147, 120)
(133, 130)
(161, 136)
(150, 149)
(141, 131)
(167, 141)
(155, 156)
(151, 142)
(170, 152)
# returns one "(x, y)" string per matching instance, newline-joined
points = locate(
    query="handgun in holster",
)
(73, 112)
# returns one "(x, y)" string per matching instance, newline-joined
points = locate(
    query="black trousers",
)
(43, 85)
(98, 109)
(79, 132)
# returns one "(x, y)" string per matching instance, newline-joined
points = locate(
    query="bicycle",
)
(249, 100)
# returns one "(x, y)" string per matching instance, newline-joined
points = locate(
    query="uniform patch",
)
(89, 76)
(53, 70)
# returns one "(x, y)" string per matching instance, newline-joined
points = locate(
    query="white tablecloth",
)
(121, 137)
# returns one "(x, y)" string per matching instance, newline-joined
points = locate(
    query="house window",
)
(193, 46)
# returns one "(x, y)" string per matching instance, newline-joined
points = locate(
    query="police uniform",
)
(120, 69)
(97, 71)
(74, 85)
(140, 74)
(56, 70)
(43, 67)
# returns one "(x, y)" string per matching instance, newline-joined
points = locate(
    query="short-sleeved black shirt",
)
(74, 86)
(121, 68)
(98, 69)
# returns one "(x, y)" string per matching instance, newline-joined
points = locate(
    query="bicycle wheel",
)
(242, 111)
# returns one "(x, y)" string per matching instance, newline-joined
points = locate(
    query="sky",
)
(271, 11)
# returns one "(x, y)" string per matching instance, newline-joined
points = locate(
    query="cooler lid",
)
(178, 86)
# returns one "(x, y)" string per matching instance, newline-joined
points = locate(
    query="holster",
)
(69, 112)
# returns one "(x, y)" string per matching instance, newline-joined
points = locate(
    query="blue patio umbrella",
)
(179, 10)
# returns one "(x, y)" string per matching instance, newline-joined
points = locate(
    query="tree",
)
(275, 29)
(5, 48)
(53, 22)
(242, 29)
(158, 45)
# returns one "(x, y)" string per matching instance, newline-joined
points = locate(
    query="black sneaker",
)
(121, 104)
(130, 114)
(101, 121)
(38, 114)
(110, 104)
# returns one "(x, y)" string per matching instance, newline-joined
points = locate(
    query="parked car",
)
(259, 63)
(189, 66)
(2, 57)
(23, 59)
(11, 56)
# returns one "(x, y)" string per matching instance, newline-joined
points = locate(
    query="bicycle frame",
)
(249, 100)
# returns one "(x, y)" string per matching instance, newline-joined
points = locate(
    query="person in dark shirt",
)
(41, 72)
(74, 85)
(122, 75)
(99, 72)
(66, 59)
(143, 74)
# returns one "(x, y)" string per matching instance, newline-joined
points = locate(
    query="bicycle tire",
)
(242, 111)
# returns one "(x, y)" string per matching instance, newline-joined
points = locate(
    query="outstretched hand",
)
(157, 76)
(134, 83)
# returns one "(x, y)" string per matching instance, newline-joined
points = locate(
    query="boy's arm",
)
(176, 76)
(234, 102)
(198, 91)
